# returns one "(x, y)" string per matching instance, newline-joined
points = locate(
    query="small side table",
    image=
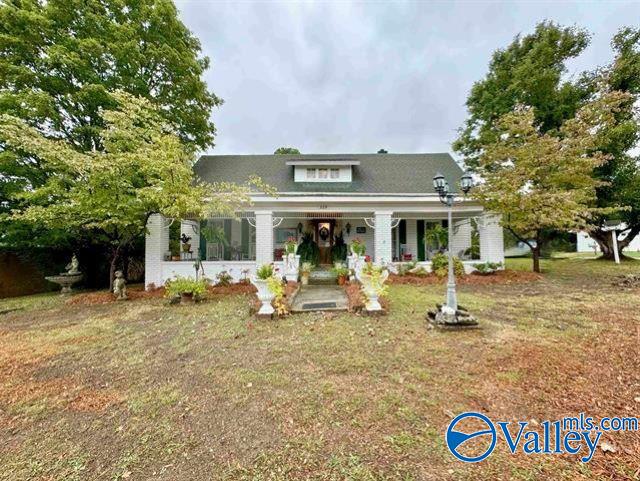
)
(186, 256)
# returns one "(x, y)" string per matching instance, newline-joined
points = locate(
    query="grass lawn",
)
(142, 390)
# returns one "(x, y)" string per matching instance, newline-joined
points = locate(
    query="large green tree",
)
(540, 182)
(143, 168)
(531, 71)
(286, 150)
(60, 59)
(621, 172)
(528, 72)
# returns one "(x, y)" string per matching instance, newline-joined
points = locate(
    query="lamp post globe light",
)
(450, 314)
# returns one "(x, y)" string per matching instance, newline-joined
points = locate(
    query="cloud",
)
(356, 77)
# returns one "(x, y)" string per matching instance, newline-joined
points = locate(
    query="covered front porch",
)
(238, 245)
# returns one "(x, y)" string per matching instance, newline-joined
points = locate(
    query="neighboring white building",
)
(586, 244)
(386, 200)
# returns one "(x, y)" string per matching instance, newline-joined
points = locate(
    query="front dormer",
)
(323, 170)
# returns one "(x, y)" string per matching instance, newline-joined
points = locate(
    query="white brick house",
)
(386, 200)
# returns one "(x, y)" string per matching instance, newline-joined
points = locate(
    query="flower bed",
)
(499, 277)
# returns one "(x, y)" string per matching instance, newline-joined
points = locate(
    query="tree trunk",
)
(112, 268)
(535, 251)
(605, 242)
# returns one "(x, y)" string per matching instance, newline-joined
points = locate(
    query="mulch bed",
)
(499, 277)
(137, 292)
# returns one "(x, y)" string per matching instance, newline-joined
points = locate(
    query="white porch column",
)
(382, 237)
(461, 236)
(412, 238)
(264, 237)
(156, 243)
(491, 238)
(191, 228)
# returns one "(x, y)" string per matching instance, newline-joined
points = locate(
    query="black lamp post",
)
(441, 186)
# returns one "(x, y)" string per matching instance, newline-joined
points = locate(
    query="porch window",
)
(311, 173)
(227, 240)
(323, 173)
(335, 173)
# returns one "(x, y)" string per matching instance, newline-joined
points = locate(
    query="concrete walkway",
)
(320, 298)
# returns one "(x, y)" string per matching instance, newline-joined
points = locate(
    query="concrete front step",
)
(313, 298)
(322, 277)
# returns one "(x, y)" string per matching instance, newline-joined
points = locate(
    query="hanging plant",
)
(214, 234)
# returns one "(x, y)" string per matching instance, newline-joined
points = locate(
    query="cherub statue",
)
(120, 286)
(73, 266)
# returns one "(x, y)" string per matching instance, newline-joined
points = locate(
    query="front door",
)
(324, 239)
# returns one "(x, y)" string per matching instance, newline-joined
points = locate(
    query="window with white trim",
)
(323, 173)
(335, 173)
(311, 173)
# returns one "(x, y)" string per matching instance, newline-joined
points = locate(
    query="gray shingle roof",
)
(376, 174)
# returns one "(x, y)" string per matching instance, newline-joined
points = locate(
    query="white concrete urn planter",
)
(371, 286)
(355, 263)
(264, 295)
(291, 267)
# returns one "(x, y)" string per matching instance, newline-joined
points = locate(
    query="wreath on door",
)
(324, 233)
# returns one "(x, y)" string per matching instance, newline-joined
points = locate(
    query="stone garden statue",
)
(73, 267)
(120, 286)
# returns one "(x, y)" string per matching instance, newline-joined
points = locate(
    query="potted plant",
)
(261, 280)
(342, 272)
(305, 270)
(186, 246)
(291, 260)
(372, 279)
(187, 289)
(358, 247)
(308, 249)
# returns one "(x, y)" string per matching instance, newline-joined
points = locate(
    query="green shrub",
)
(308, 249)
(265, 271)
(440, 265)
(488, 267)
(306, 267)
(185, 285)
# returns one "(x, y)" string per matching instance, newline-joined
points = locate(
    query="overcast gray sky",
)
(353, 77)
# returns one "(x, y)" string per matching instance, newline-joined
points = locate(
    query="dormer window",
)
(320, 170)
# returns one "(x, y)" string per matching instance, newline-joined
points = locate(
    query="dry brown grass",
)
(143, 390)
